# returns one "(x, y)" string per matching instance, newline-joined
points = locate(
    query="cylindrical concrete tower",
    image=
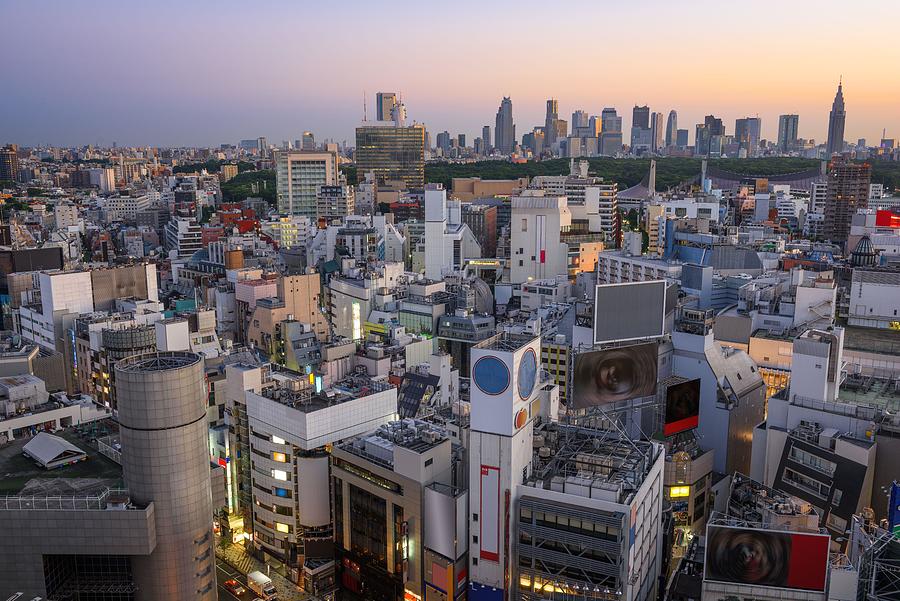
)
(165, 457)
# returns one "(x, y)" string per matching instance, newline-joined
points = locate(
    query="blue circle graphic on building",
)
(527, 374)
(491, 375)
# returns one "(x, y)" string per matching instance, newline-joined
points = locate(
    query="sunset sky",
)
(198, 73)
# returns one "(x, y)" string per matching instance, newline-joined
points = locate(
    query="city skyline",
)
(121, 84)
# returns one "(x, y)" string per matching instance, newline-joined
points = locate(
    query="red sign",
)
(887, 219)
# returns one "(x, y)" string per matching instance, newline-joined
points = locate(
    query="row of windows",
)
(813, 461)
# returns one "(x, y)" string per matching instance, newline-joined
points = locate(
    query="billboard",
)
(629, 311)
(767, 558)
(613, 375)
(489, 511)
(682, 407)
(887, 219)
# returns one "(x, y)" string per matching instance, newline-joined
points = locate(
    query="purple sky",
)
(198, 73)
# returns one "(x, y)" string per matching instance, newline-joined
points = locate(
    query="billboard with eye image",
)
(613, 375)
(767, 558)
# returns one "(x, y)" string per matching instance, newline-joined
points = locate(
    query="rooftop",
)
(413, 434)
(590, 462)
(297, 393)
(21, 475)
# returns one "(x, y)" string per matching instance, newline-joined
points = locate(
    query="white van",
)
(262, 585)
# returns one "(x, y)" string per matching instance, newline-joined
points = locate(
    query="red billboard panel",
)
(682, 407)
(887, 219)
(786, 560)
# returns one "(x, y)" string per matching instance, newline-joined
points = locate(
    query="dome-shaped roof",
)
(864, 253)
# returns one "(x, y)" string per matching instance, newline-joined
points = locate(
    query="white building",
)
(536, 249)
(299, 175)
(183, 235)
(449, 243)
(618, 266)
(875, 298)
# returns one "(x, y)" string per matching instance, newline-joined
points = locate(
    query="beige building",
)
(298, 299)
(469, 188)
(227, 171)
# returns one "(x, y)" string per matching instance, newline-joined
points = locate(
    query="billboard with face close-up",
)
(613, 375)
(682, 407)
(767, 558)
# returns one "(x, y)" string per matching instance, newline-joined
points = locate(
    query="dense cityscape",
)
(564, 361)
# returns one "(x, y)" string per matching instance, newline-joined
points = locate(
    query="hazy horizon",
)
(205, 74)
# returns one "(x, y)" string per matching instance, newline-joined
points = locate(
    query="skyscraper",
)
(384, 104)
(672, 128)
(9, 163)
(392, 152)
(550, 122)
(610, 132)
(746, 133)
(640, 117)
(580, 119)
(656, 132)
(848, 190)
(787, 132)
(640, 130)
(505, 129)
(443, 142)
(486, 138)
(836, 119)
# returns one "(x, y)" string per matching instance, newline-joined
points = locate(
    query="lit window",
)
(676, 492)
(277, 440)
(282, 527)
(279, 457)
(279, 475)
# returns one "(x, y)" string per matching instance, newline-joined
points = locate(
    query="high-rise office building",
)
(580, 119)
(298, 176)
(681, 138)
(384, 104)
(715, 125)
(9, 163)
(672, 128)
(550, 122)
(505, 129)
(787, 132)
(486, 138)
(848, 190)
(640, 117)
(162, 400)
(461, 140)
(610, 132)
(836, 119)
(262, 147)
(308, 142)
(747, 133)
(640, 130)
(392, 152)
(656, 132)
(443, 142)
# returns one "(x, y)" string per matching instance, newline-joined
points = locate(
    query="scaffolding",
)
(879, 571)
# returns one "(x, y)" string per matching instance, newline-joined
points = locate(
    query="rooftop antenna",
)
(364, 107)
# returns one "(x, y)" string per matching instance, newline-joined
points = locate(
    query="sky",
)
(200, 73)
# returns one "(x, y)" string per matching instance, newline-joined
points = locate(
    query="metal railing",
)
(57, 503)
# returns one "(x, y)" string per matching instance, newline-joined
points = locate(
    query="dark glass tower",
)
(836, 119)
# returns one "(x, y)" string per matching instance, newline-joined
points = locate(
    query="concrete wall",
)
(30, 534)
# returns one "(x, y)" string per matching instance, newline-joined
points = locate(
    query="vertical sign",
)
(489, 513)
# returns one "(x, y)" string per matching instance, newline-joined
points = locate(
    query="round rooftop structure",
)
(158, 361)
